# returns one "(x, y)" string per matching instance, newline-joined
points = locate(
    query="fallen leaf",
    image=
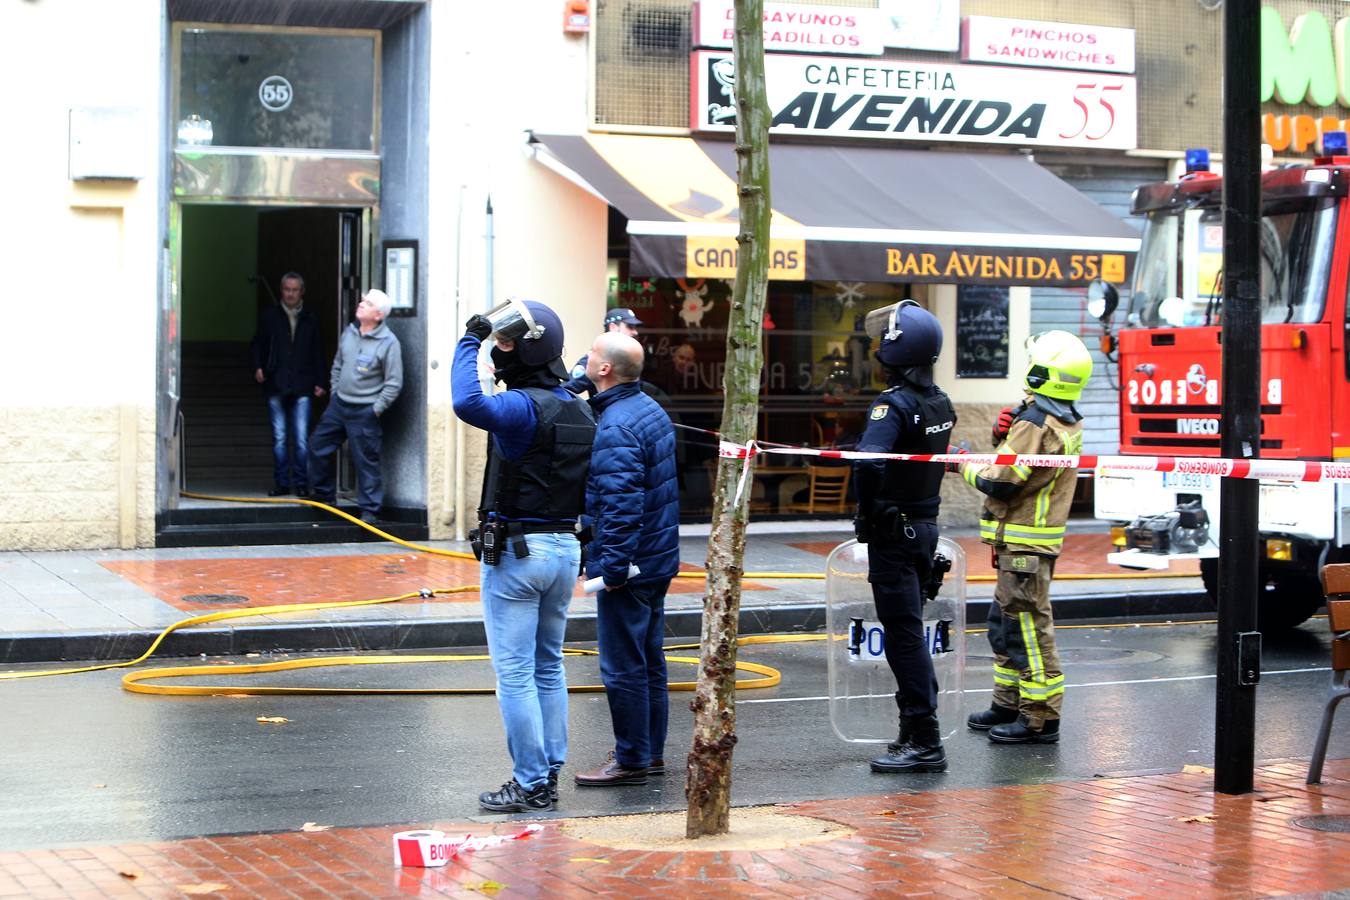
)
(129, 874)
(100, 785)
(205, 887)
(273, 720)
(1189, 769)
(886, 812)
(314, 826)
(1200, 820)
(594, 859)
(486, 887)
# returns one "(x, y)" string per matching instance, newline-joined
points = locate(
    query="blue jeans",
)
(525, 615)
(358, 424)
(630, 623)
(290, 419)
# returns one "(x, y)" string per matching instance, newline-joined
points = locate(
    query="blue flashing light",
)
(1197, 160)
(1334, 143)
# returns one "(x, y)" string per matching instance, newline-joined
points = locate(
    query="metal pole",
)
(1239, 649)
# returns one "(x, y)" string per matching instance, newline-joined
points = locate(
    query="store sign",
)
(1305, 64)
(914, 101)
(1018, 42)
(1031, 267)
(836, 29)
(715, 257)
(921, 24)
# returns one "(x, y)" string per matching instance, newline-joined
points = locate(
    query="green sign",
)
(1299, 65)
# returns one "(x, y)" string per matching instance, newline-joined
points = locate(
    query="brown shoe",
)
(611, 773)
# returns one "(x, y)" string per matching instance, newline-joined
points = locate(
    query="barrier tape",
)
(1270, 469)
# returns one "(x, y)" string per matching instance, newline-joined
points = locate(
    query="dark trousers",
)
(357, 424)
(897, 568)
(630, 625)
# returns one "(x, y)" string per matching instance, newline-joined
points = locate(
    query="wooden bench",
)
(1336, 584)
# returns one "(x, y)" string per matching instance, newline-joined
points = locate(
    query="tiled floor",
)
(1146, 836)
(207, 585)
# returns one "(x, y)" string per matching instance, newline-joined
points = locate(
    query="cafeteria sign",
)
(919, 101)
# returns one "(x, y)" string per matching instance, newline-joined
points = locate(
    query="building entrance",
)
(233, 261)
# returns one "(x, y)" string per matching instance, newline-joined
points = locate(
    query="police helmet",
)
(545, 344)
(910, 335)
(1059, 365)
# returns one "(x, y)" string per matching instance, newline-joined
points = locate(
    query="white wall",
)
(77, 421)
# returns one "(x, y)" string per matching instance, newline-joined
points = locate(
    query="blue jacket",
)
(632, 496)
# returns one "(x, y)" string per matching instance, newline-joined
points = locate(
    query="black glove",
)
(862, 528)
(479, 326)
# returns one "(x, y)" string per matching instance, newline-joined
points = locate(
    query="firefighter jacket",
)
(1026, 508)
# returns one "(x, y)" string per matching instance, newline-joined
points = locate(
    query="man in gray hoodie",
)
(366, 378)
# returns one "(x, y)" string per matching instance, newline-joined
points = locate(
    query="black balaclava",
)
(919, 376)
(510, 371)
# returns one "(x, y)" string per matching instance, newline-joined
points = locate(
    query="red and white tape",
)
(1270, 469)
(430, 849)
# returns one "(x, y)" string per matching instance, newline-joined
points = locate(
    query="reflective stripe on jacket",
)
(1036, 501)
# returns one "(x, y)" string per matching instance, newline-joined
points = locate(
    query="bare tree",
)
(709, 769)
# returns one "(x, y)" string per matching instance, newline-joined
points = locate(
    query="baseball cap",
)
(621, 314)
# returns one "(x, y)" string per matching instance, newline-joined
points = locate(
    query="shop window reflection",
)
(816, 386)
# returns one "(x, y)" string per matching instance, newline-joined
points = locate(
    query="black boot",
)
(994, 715)
(902, 737)
(919, 750)
(1021, 732)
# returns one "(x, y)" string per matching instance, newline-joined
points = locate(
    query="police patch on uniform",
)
(879, 412)
(578, 371)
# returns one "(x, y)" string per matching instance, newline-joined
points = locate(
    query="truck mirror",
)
(1102, 300)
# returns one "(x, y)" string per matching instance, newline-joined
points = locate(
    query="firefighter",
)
(897, 518)
(1023, 520)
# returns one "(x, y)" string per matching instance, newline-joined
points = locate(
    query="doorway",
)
(233, 259)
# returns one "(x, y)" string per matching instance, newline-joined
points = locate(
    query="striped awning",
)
(856, 213)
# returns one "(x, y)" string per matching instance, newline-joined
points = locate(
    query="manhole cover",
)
(216, 599)
(1339, 824)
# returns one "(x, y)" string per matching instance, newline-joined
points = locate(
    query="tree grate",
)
(215, 599)
(1338, 824)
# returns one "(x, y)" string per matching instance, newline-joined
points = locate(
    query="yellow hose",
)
(133, 681)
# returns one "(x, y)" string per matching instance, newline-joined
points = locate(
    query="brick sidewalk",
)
(1143, 836)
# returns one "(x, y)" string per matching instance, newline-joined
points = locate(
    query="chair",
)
(1336, 583)
(826, 491)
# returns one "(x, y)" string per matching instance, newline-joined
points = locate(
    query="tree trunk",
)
(709, 769)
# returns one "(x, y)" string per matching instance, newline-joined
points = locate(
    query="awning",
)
(849, 213)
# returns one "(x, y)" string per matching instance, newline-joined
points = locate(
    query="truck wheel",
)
(1286, 599)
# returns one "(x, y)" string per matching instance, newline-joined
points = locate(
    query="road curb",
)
(405, 634)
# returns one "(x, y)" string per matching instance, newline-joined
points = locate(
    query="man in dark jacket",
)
(632, 508)
(287, 362)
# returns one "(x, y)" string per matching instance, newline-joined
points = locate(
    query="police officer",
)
(620, 320)
(897, 518)
(533, 493)
(1024, 520)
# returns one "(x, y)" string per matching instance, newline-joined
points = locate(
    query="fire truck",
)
(1166, 357)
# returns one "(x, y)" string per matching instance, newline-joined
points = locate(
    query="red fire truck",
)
(1167, 368)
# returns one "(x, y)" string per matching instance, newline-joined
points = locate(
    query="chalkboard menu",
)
(981, 331)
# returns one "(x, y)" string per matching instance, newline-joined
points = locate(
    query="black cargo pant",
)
(897, 568)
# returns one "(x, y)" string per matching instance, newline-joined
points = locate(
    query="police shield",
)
(862, 688)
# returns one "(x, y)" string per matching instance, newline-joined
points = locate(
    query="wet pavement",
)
(1147, 837)
(102, 765)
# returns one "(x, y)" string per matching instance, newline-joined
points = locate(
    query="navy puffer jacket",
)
(632, 496)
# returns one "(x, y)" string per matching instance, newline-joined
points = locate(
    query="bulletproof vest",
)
(913, 487)
(549, 480)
